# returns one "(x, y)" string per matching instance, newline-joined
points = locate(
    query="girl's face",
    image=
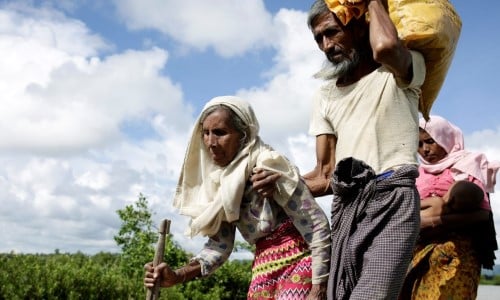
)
(429, 149)
(220, 137)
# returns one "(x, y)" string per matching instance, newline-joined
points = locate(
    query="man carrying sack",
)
(365, 119)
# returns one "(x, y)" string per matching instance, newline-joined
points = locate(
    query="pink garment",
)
(462, 163)
(429, 185)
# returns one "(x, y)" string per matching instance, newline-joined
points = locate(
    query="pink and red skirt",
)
(282, 266)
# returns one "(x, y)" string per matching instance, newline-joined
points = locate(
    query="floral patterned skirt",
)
(446, 270)
(282, 266)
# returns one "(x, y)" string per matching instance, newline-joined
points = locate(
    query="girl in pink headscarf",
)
(457, 232)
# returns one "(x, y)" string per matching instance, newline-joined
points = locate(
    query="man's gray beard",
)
(331, 71)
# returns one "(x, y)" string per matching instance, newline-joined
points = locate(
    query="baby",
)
(463, 196)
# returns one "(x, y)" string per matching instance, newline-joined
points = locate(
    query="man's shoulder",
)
(323, 90)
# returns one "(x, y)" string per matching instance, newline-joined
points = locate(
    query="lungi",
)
(375, 224)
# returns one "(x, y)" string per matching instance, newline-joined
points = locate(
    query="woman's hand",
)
(318, 292)
(264, 182)
(163, 273)
(431, 211)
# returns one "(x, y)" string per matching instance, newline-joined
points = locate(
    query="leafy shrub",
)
(112, 275)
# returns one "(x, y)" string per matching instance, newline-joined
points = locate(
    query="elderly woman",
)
(457, 235)
(289, 229)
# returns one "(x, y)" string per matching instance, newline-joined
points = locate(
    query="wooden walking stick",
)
(154, 292)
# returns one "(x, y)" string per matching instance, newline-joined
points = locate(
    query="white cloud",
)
(83, 105)
(228, 27)
(283, 104)
(67, 163)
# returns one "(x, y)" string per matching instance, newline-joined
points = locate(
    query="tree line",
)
(115, 275)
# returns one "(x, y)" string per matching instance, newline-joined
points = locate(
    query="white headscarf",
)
(210, 194)
(461, 162)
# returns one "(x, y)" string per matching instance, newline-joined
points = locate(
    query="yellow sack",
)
(432, 27)
(345, 10)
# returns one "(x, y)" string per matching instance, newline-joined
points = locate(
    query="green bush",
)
(115, 276)
(78, 276)
(65, 276)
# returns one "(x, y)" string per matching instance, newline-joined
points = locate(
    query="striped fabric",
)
(282, 266)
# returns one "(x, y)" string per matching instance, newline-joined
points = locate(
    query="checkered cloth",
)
(375, 224)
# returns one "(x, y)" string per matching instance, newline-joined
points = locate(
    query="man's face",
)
(337, 43)
(332, 38)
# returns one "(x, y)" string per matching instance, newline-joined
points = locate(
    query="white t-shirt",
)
(374, 119)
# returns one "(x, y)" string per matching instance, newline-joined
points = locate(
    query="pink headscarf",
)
(462, 163)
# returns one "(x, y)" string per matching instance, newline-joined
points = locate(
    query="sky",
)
(99, 97)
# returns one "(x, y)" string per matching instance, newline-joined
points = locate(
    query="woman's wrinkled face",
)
(429, 149)
(220, 137)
